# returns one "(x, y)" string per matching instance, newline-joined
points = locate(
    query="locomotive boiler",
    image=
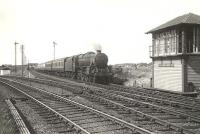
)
(90, 67)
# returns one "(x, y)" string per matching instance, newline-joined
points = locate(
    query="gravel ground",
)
(56, 90)
(36, 121)
(70, 95)
(67, 94)
(7, 123)
(83, 101)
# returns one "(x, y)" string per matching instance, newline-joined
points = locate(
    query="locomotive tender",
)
(90, 67)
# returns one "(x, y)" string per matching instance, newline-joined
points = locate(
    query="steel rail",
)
(160, 121)
(117, 120)
(163, 109)
(124, 92)
(170, 110)
(146, 115)
(60, 115)
(139, 89)
(138, 95)
(197, 119)
(167, 95)
(145, 97)
(18, 120)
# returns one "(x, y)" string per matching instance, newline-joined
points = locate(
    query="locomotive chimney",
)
(98, 51)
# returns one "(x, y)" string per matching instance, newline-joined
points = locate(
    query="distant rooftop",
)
(4, 68)
(189, 18)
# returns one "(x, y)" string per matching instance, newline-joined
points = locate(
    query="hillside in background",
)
(135, 74)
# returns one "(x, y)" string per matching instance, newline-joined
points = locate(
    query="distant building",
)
(4, 70)
(32, 65)
(175, 53)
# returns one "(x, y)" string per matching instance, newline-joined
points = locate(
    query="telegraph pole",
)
(54, 54)
(22, 47)
(16, 57)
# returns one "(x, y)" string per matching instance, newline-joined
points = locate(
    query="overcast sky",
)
(75, 25)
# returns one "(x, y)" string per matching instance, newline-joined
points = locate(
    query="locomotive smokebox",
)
(101, 60)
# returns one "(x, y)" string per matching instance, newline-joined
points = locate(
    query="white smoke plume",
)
(97, 47)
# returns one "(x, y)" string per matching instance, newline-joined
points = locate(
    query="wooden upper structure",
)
(178, 36)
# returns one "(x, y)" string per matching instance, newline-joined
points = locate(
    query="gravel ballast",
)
(7, 123)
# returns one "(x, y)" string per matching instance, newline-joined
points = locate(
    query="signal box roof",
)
(189, 18)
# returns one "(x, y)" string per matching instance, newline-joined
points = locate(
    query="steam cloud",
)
(97, 47)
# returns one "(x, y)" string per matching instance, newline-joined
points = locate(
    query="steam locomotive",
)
(90, 67)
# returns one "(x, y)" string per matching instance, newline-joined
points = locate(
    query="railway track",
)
(189, 109)
(160, 119)
(175, 120)
(71, 116)
(148, 92)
